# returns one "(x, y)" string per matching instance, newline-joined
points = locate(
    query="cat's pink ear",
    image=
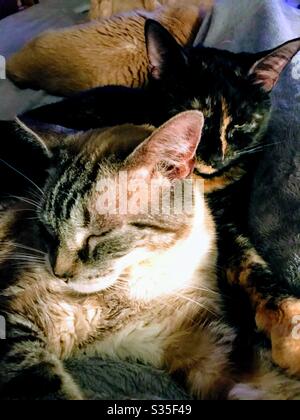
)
(172, 147)
(166, 56)
(268, 69)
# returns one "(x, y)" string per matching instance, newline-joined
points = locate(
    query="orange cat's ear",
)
(267, 69)
(165, 55)
(172, 147)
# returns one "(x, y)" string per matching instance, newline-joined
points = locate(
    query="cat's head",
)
(232, 90)
(101, 217)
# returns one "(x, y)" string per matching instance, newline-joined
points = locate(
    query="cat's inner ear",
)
(172, 147)
(165, 55)
(267, 70)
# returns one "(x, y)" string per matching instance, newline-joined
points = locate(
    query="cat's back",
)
(106, 52)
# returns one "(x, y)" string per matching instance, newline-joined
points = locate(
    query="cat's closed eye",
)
(94, 240)
(142, 226)
(91, 244)
(148, 226)
(246, 128)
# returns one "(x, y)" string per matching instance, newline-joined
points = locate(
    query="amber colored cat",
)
(100, 53)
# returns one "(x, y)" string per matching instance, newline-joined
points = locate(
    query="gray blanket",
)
(241, 25)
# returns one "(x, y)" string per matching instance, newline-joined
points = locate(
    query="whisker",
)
(26, 266)
(24, 176)
(265, 145)
(26, 247)
(198, 304)
(27, 201)
(29, 248)
(20, 259)
(258, 148)
(205, 289)
(21, 255)
(35, 194)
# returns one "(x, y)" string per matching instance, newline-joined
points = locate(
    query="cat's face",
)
(232, 91)
(93, 239)
(236, 111)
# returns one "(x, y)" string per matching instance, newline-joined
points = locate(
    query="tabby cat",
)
(79, 280)
(233, 92)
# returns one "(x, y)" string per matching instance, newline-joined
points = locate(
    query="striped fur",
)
(157, 312)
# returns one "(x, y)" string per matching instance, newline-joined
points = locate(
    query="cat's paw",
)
(244, 392)
(282, 325)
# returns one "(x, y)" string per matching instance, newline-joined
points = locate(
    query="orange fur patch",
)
(227, 119)
(283, 327)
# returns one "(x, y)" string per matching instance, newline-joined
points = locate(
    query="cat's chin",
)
(90, 287)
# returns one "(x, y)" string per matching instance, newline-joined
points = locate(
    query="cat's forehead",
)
(216, 74)
(111, 141)
(226, 103)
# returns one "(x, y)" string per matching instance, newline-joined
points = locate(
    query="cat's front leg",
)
(276, 311)
(29, 372)
(202, 358)
(282, 325)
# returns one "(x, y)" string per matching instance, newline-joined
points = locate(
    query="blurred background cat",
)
(99, 53)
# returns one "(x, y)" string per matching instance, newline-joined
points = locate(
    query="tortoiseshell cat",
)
(80, 280)
(233, 92)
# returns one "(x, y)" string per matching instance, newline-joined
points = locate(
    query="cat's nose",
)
(218, 162)
(63, 268)
(63, 275)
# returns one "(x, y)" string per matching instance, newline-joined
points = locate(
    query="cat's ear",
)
(172, 147)
(33, 139)
(267, 70)
(24, 158)
(165, 55)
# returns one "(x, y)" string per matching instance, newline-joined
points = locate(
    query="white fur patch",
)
(137, 341)
(163, 274)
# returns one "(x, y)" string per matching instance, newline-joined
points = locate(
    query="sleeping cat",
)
(129, 285)
(233, 91)
(98, 53)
